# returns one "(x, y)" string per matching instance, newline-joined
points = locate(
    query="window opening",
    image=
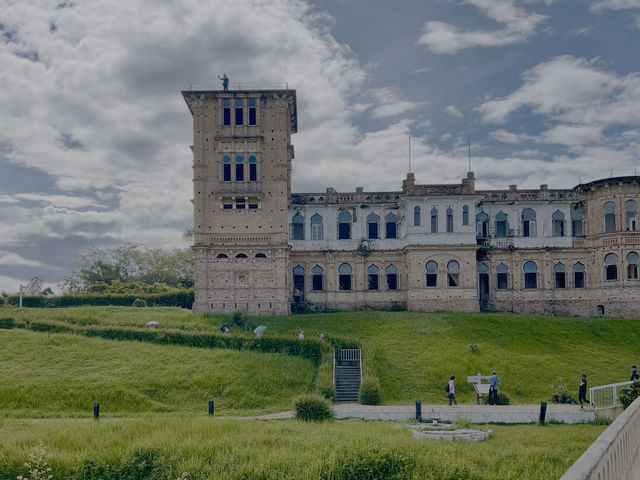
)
(434, 220)
(253, 168)
(226, 112)
(530, 275)
(578, 275)
(372, 225)
(239, 168)
(502, 277)
(560, 272)
(226, 168)
(611, 262)
(482, 225)
(528, 222)
(373, 273)
(631, 215)
(465, 215)
(392, 277)
(298, 227)
(501, 225)
(453, 273)
(239, 112)
(344, 226)
(449, 220)
(609, 210)
(558, 223)
(316, 227)
(632, 266)
(432, 274)
(344, 276)
(252, 113)
(416, 216)
(392, 226)
(577, 222)
(317, 278)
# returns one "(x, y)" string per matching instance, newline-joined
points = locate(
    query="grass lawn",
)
(165, 447)
(413, 354)
(58, 375)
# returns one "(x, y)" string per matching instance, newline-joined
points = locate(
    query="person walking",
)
(494, 383)
(451, 390)
(582, 393)
(634, 374)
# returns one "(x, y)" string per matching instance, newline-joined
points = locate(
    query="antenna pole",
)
(469, 140)
(409, 153)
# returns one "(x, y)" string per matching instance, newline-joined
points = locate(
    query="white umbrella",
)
(152, 324)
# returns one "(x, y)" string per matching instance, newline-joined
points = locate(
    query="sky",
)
(94, 132)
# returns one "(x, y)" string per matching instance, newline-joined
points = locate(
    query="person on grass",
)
(582, 393)
(451, 390)
(494, 383)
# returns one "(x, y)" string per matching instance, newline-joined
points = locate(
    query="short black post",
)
(543, 412)
(96, 410)
(211, 407)
(419, 410)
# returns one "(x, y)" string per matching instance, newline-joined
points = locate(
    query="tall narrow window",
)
(611, 262)
(432, 274)
(317, 278)
(416, 216)
(482, 225)
(392, 277)
(530, 275)
(528, 222)
(298, 284)
(578, 275)
(253, 118)
(501, 225)
(344, 276)
(609, 211)
(344, 226)
(239, 168)
(373, 276)
(316, 227)
(502, 277)
(372, 225)
(239, 112)
(453, 274)
(560, 273)
(631, 210)
(253, 168)
(226, 168)
(298, 227)
(632, 266)
(241, 203)
(577, 224)
(465, 214)
(434, 220)
(449, 220)
(226, 112)
(391, 221)
(558, 223)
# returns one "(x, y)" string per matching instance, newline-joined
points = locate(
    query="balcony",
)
(239, 188)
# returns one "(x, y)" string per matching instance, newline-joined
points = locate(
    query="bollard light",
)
(419, 410)
(543, 412)
(96, 410)
(211, 407)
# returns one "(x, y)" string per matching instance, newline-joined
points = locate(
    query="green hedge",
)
(181, 298)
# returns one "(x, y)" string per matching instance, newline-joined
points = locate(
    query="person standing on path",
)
(494, 383)
(582, 393)
(451, 390)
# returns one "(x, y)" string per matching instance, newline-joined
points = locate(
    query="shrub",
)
(178, 298)
(373, 465)
(37, 466)
(139, 302)
(239, 319)
(7, 323)
(324, 379)
(313, 408)
(561, 394)
(627, 396)
(369, 393)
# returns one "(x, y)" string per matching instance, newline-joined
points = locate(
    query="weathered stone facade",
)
(426, 247)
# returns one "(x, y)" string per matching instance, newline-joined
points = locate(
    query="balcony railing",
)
(240, 188)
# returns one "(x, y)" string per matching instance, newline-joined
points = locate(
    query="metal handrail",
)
(360, 363)
(606, 395)
(350, 355)
(334, 367)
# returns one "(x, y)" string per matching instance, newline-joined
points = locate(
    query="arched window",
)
(373, 277)
(530, 275)
(577, 224)
(609, 211)
(391, 221)
(344, 226)
(528, 222)
(392, 277)
(344, 276)
(372, 225)
(611, 262)
(222, 255)
(226, 168)
(502, 277)
(558, 223)
(260, 255)
(560, 272)
(317, 278)
(239, 168)
(298, 284)
(226, 112)
(465, 214)
(253, 168)
(432, 274)
(501, 224)
(239, 112)
(449, 220)
(241, 255)
(578, 275)
(483, 269)
(631, 210)
(482, 225)
(632, 266)
(416, 216)
(316, 227)
(297, 224)
(434, 220)
(453, 274)
(253, 117)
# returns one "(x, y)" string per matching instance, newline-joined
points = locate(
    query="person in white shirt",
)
(301, 335)
(451, 390)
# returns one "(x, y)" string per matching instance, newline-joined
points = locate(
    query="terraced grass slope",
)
(413, 354)
(52, 375)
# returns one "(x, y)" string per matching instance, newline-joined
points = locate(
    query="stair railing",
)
(350, 355)
(334, 367)
(360, 363)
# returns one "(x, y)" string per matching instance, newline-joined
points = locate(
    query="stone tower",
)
(242, 157)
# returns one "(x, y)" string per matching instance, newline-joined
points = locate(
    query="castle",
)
(261, 248)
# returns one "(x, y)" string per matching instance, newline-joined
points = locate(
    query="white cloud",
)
(58, 200)
(453, 111)
(509, 137)
(11, 258)
(389, 103)
(519, 25)
(600, 5)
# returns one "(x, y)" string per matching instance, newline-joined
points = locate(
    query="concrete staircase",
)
(347, 378)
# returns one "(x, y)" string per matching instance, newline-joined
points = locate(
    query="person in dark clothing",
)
(634, 374)
(582, 394)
